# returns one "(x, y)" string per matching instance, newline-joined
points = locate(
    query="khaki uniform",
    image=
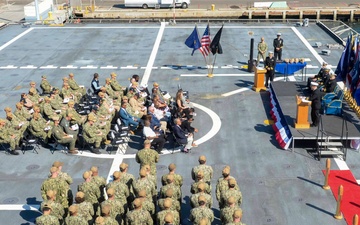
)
(59, 134)
(148, 157)
(262, 50)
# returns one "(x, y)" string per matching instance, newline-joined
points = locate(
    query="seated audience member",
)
(45, 85)
(127, 119)
(62, 137)
(136, 106)
(9, 137)
(33, 85)
(95, 84)
(322, 76)
(330, 84)
(186, 125)
(162, 95)
(78, 90)
(26, 101)
(155, 123)
(182, 105)
(156, 138)
(182, 136)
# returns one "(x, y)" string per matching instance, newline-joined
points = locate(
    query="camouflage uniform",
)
(228, 193)
(57, 209)
(76, 88)
(23, 114)
(196, 214)
(161, 217)
(206, 169)
(67, 178)
(45, 86)
(174, 206)
(90, 133)
(176, 191)
(91, 191)
(110, 221)
(138, 217)
(236, 223)
(146, 205)
(76, 116)
(178, 179)
(37, 128)
(148, 157)
(101, 183)
(117, 210)
(194, 200)
(116, 87)
(47, 220)
(86, 210)
(226, 214)
(223, 185)
(75, 220)
(121, 192)
(128, 179)
(148, 186)
(15, 122)
(58, 185)
(194, 186)
(5, 137)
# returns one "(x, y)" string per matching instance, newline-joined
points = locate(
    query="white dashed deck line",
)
(28, 67)
(16, 38)
(89, 67)
(9, 67)
(129, 67)
(68, 67)
(48, 67)
(147, 72)
(109, 67)
(19, 207)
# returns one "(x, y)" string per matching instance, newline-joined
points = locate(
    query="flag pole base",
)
(210, 75)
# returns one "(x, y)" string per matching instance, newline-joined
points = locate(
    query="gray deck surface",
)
(279, 187)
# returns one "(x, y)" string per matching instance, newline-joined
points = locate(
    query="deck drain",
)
(32, 167)
(161, 167)
(11, 200)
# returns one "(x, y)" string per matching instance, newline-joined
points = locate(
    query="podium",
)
(302, 113)
(259, 79)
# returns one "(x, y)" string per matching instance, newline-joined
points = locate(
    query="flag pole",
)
(212, 68)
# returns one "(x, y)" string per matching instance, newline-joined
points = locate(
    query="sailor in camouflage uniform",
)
(138, 216)
(46, 218)
(201, 212)
(116, 86)
(62, 137)
(207, 170)
(105, 213)
(201, 191)
(91, 191)
(167, 209)
(147, 156)
(8, 137)
(145, 184)
(200, 179)
(146, 203)
(74, 218)
(99, 181)
(231, 192)
(86, 209)
(127, 179)
(170, 184)
(59, 186)
(223, 183)
(121, 190)
(79, 91)
(175, 205)
(57, 208)
(66, 177)
(116, 207)
(226, 213)
(22, 113)
(45, 85)
(178, 179)
(237, 216)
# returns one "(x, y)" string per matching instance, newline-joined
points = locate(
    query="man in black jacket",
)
(270, 63)
(278, 45)
(315, 98)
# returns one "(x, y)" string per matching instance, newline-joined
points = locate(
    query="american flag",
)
(205, 42)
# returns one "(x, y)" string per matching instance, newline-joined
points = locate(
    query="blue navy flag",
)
(193, 41)
(215, 44)
(343, 65)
